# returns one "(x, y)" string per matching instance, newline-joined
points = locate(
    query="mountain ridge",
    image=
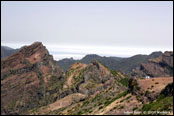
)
(115, 63)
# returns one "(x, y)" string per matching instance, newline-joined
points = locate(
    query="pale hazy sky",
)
(74, 29)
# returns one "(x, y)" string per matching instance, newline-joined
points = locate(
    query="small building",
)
(147, 77)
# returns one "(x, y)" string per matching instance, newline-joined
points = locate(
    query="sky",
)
(74, 29)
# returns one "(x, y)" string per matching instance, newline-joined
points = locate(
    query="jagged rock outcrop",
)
(88, 79)
(156, 67)
(29, 78)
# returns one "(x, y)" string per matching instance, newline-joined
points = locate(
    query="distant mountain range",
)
(7, 51)
(125, 65)
(115, 63)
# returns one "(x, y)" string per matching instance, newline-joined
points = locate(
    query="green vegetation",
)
(135, 108)
(115, 98)
(85, 103)
(121, 107)
(114, 73)
(133, 85)
(97, 98)
(128, 97)
(11, 105)
(122, 100)
(147, 93)
(124, 81)
(162, 104)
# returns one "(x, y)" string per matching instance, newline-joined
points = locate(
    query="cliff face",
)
(157, 67)
(26, 79)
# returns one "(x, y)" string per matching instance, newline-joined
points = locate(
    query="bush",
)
(124, 81)
(100, 107)
(135, 108)
(121, 107)
(147, 93)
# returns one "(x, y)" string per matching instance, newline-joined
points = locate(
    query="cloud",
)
(60, 51)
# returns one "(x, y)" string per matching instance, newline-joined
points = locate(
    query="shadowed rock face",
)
(156, 67)
(28, 79)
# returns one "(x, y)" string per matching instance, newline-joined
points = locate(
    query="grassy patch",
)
(128, 97)
(162, 104)
(115, 98)
(114, 73)
(124, 81)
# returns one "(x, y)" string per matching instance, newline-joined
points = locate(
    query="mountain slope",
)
(29, 78)
(92, 84)
(156, 67)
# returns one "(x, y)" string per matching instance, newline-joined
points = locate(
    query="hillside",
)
(156, 67)
(29, 78)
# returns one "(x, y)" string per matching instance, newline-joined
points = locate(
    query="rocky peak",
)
(31, 76)
(33, 48)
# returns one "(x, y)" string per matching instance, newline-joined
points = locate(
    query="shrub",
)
(128, 97)
(100, 107)
(135, 108)
(124, 81)
(121, 107)
(147, 93)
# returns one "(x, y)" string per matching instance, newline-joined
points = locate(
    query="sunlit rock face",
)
(28, 79)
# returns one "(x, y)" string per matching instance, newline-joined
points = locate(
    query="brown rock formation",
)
(156, 67)
(28, 79)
